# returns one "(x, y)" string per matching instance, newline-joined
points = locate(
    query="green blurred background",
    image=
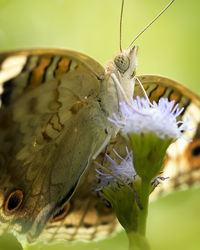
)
(170, 47)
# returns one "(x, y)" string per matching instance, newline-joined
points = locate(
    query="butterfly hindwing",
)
(182, 164)
(88, 216)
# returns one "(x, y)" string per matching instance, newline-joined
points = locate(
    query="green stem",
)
(142, 213)
(25, 246)
(137, 242)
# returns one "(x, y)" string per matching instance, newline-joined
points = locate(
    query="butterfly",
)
(53, 124)
(53, 121)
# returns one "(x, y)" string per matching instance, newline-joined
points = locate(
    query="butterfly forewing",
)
(49, 123)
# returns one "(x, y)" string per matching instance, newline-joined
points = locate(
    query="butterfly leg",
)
(104, 144)
(143, 90)
(121, 90)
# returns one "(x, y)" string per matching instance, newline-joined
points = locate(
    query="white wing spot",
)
(10, 68)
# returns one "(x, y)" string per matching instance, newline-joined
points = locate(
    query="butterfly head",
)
(126, 61)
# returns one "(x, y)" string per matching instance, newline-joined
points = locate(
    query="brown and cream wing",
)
(48, 121)
(85, 217)
(183, 159)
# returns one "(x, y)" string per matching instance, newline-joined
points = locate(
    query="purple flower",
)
(124, 171)
(160, 118)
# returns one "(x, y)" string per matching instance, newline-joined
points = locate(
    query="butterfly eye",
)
(122, 62)
(62, 213)
(14, 201)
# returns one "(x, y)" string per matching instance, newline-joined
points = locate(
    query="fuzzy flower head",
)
(150, 129)
(119, 185)
(124, 171)
(160, 118)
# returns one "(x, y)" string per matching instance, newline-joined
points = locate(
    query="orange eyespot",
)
(14, 201)
(104, 207)
(193, 154)
(196, 151)
(107, 208)
(62, 213)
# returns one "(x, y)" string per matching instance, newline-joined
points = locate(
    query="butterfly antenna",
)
(120, 34)
(151, 23)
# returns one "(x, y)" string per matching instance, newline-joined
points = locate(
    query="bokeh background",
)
(169, 47)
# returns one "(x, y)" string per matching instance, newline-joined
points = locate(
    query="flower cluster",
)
(124, 171)
(140, 118)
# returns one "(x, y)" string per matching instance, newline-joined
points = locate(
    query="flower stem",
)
(25, 246)
(137, 241)
(144, 199)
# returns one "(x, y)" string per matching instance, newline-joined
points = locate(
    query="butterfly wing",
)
(87, 216)
(182, 164)
(51, 125)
